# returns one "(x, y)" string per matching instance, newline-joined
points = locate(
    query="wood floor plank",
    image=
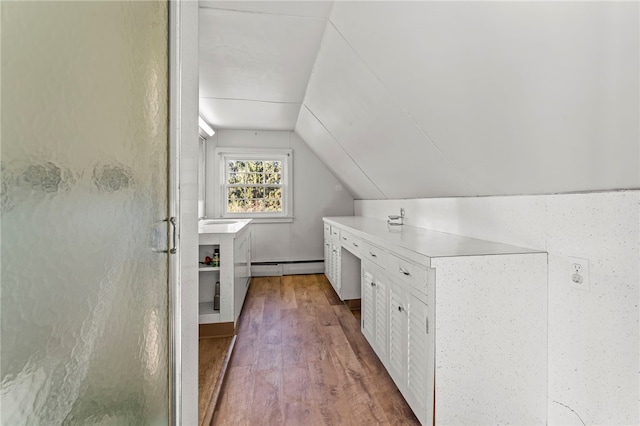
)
(248, 332)
(211, 357)
(237, 397)
(269, 350)
(333, 404)
(300, 359)
(387, 394)
(333, 336)
(325, 315)
(293, 349)
(297, 383)
(302, 413)
(358, 390)
(325, 286)
(267, 407)
(287, 293)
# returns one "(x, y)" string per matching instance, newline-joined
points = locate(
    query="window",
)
(254, 183)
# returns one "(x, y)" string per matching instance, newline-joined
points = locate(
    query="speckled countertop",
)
(423, 241)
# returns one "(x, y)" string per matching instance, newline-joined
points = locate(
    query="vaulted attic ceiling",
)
(433, 99)
(255, 61)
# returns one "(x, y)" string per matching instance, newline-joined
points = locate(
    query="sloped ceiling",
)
(255, 61)
(433, 99)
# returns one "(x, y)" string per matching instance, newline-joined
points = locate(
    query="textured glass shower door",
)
(84, 281)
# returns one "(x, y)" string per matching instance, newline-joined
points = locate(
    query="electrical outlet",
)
(578, 273)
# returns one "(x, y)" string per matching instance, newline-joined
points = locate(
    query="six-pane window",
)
(254, 186)
(254, 183)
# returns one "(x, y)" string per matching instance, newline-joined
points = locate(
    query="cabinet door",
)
(397, 352)
(381, 315)
(420, 367)
(368, 308)
(335, 266)
(327, 258)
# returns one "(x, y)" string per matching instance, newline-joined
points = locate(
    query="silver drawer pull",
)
(400, 309)
(373, 284)
(344, 238)
(373, 254)
(404, 271)
(356, 245)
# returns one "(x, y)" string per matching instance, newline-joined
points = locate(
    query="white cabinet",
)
(233, 274)
(374, 310)
(397, 337)
(327, 251)
(419, 371)
(396, 324)
(473, 311)
(336, 269)
(342, 267)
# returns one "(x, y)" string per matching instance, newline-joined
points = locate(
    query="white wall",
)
(316, 193)
(593, 335)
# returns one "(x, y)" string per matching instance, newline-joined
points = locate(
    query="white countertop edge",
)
(224, 228)
(423, 241)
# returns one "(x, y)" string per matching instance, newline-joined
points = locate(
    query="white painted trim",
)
(303, 268)
(280, 269)
(285, 155)
(183, 200)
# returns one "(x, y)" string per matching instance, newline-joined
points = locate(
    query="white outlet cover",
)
(571, 270)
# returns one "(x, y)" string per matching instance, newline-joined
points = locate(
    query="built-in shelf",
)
(206, 308)
(232, 243)
(207, 314)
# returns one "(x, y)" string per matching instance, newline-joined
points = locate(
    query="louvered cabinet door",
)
(382, 323)
(397, 351)
(337, 285)
(420, 353)
(327, 259)
(368, 307)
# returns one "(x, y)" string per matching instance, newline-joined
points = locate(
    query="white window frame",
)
(222, 155)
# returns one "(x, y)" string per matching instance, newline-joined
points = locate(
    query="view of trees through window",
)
(254, 186)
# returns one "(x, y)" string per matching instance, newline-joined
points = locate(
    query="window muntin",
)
(254, 186)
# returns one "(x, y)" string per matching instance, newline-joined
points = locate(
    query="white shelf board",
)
(206, 313)
(208, 268)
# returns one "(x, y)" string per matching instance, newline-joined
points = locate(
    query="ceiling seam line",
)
(345, 151)
(251, 100)
(429, 139)
(254, 12)
(315, 61)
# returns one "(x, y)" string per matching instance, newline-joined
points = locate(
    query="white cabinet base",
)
(458, 323)
(234, 274)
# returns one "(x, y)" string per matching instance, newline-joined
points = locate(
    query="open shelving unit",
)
(207, 277)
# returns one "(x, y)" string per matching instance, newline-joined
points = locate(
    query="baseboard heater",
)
(287, 267)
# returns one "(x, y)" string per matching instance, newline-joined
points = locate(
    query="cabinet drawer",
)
(327, 231)
(374, 254)
(335, 233)
(415, 275)
(351, 243)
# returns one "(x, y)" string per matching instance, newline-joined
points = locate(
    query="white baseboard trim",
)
(280, 269)
(274, 270)
(302, 268)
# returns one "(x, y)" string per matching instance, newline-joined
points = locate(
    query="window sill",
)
(287, 219)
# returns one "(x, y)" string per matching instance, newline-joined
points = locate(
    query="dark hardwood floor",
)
(300, 359)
